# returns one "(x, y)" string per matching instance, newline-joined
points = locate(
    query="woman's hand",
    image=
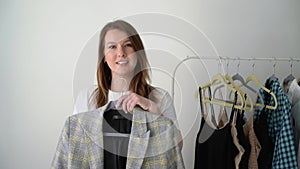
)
(128, 102)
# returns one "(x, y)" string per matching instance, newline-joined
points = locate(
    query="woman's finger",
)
(120, 100)
(126, 103)
(131, 104)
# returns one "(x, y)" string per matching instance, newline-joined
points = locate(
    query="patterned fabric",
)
(255, 145)
(236, 141)
(292, 90)
(280, 128)
(153, 142)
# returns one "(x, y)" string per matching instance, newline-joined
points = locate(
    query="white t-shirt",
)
(83, 101)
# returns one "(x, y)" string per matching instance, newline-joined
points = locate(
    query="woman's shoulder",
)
(83, 101)
(160, 94)
(165, 103)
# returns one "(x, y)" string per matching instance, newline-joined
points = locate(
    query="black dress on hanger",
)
(116, 146)
(214, 147)
(265, 157)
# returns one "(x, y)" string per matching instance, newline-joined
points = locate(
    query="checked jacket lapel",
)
(138, 141)
(139, 138)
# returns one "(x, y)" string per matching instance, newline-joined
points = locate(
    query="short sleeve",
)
(83, 100)
(165, 104)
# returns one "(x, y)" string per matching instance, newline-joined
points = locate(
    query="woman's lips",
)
(122, 62)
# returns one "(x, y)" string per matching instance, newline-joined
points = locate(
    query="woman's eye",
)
(128, 45)
(112, 47)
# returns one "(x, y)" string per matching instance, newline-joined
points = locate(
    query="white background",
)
(43, 46)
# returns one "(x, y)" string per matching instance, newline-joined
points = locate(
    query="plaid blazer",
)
(153, 142)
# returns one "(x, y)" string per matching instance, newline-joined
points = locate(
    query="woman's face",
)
(119, 54)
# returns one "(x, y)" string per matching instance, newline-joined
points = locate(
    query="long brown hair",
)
(140, 82)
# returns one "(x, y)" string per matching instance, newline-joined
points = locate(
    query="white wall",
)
(48, 54)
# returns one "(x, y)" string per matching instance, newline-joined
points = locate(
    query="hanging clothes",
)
(215, 151)
(215, 148)
(243, 164)
(153, 142)
(265, 157)
(293, 91)
(279, 127)
(254, 143)
(116, 147)
(236, 141)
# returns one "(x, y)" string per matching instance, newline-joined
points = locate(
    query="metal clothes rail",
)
(223, 58)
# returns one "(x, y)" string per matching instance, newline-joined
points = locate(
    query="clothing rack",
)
(224, 58)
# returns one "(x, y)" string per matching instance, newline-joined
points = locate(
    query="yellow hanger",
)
(219, 79)
(255, 80)
(243, 84)
(248, 107)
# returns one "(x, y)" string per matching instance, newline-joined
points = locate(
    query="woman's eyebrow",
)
(110, 43)
(124, 41)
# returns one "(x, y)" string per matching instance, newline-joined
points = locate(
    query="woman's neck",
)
(120, 84)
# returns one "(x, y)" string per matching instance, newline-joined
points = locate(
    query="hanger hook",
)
(274, 65)
(122, 80)
(238, 66)
(227, 65)
(291, 65)
(219, 65)
(253, 64)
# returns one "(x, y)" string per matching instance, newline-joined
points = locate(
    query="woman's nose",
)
(121, 52)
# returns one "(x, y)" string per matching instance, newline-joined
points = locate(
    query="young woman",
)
(123, 76)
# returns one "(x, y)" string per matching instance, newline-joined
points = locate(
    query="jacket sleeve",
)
(60, 159)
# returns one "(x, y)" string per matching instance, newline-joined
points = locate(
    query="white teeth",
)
(122, 62)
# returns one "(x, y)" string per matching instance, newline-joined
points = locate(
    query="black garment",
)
(242, 140)
(267, 146)
(215, 148)
(116, 147)
(261, 127)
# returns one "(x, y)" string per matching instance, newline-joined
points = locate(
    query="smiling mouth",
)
(122, 62)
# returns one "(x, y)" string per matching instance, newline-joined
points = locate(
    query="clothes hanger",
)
(248, 102)
(241, 79)
(256, 81)
(219, 79)
(120, 116)
(248, 106)
(230, 82)
(237, 76)
(273, 77)
(290, 77)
